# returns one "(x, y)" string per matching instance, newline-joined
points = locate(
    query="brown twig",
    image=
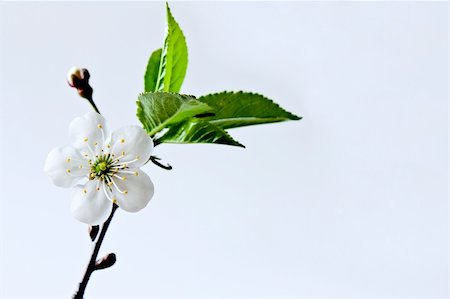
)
(91, 266)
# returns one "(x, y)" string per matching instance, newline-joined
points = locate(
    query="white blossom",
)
(102, 168)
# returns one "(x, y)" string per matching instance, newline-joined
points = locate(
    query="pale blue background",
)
(350, 201)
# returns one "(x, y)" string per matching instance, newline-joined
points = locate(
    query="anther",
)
(119, 177)
(68, 160)
(99, 126)
(68, 170)
(122, 178)
(85, 139)
(84, 191)
(122, 140)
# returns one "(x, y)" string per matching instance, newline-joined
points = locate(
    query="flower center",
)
(102, 167)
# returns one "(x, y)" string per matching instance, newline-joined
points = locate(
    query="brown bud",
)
(79, 78)
(93, 231)
(105, 262)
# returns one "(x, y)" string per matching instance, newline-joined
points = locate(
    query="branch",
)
(91, 266)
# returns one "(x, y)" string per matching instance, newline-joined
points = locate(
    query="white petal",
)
(134, 142)
(134, 192)
(65, 166)
(90, 205)
(88, 133)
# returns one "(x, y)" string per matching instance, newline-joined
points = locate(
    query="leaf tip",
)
(169, 13)
(295, 117)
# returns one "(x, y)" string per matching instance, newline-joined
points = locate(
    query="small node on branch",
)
(105, 262)
(93, 231)
(79, 78)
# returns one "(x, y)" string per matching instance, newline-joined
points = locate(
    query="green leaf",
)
(151, 74)
(159, 110)
(174, 57)
(238, 109)
(197, 130)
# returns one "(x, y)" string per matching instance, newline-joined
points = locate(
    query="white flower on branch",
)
(103, 168)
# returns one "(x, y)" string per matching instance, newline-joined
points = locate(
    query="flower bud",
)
(105, 262)
(93, 231)
(79, 78)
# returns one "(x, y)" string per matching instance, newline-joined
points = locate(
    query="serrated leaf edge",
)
(293, 116)
(161, 82)
(225, 133)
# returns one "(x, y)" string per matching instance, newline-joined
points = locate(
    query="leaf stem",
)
(155, 161)
(91, 265)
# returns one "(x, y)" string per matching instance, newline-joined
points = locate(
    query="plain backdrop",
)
(349, 201)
